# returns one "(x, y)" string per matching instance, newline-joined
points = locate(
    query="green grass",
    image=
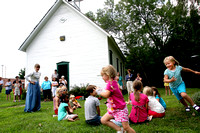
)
(14, 119)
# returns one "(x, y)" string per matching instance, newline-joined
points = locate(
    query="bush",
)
(79, 91)
(196, 98)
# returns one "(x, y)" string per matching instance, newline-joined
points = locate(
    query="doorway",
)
(63, 70)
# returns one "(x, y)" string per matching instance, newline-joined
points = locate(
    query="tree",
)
(149, 30)
(22, 73)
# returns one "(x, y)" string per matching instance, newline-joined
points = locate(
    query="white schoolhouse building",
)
(66, 40)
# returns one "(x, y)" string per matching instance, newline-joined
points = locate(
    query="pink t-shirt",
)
(116, 99)
(139, 111)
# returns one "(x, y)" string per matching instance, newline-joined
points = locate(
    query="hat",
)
(62, 76)
(71, 96)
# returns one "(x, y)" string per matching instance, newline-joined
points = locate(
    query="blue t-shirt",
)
(62, 111)
(46, 85)
(177, 74)
(162, 102)
(129, 78)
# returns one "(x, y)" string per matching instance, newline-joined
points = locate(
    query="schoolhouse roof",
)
(49, 14)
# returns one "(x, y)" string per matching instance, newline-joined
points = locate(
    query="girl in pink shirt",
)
(139, 103)
(116, 106)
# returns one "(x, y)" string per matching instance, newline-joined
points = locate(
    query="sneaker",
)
(121, 131)
(55, 115)
(187, 109)
(14, 100)
(197, 108)
(149, 118)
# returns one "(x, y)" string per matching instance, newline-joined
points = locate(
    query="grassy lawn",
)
(14, 119)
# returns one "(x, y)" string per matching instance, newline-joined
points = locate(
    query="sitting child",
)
(92, 110)
(139, 103)
(56, 100)
(155, 109)
(63, 110)
(158, 97)
(73, 102)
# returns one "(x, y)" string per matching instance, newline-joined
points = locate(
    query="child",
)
(8, 86)
(54, 86)
(155, 109)
(172, 75)
(17, 91)
(167, 88)
(56, 102)
(63, 110)
(139, 103)
(73, 102)
(158, 97)
(116, 106)
(92, 110)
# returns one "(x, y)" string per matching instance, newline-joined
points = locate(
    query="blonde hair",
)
(170, 58)
(137, 86)
(60, 90)
(109, 71)
(148, 91)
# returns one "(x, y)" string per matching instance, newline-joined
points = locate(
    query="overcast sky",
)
(18, 18)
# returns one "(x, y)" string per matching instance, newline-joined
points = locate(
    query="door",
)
(63, 70)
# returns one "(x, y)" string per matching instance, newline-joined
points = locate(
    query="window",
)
(121, 69)
(110, 57)
(117, 64)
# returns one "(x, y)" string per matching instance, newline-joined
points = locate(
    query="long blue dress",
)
(33, 98)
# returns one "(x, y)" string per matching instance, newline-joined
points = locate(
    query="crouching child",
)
(64, 112)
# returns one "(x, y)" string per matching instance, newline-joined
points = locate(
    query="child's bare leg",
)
(105, 120)
(14, 98)
(166, 90)
(74, 117)
(169, 90)
(187, 98)
(71, 119)
(6, 97)
(9, 97)
(127, 127)
(183, 102)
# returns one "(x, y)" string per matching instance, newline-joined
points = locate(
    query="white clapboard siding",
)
(86, 47)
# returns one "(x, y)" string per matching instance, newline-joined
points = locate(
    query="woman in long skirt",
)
(33, 93)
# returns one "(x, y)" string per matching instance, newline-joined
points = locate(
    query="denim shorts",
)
(95, 121)
(178, 90)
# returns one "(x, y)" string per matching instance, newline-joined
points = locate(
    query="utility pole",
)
(2, 71)
(5, 72)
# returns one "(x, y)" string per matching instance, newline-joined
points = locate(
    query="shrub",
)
(196, 98)
(79, 91)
